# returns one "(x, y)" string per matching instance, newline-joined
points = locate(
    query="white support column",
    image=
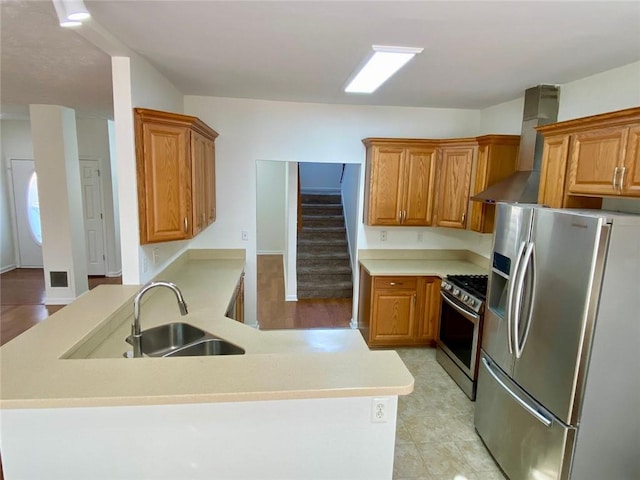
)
(55, 150)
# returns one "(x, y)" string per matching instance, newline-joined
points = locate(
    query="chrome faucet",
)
(136, 336)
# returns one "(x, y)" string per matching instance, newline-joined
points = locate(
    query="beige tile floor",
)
(435, 438)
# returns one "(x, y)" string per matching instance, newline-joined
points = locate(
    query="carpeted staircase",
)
(323, 266)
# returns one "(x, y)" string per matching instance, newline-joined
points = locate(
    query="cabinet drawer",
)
(395, 282)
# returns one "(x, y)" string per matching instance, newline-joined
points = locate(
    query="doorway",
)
(93, 217)
(26, 214)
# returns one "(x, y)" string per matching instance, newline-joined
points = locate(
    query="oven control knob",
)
(465, 298)
(447, 286)
(472, 302)
(456, 291)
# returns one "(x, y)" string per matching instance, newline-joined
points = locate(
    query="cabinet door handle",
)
(186, 225)
(404, 216)
(395, 284)
(464, 215)
(400, 216)
(414, 299)
(624, 169)
(615, 177)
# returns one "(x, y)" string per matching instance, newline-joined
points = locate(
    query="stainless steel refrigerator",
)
(559, 382)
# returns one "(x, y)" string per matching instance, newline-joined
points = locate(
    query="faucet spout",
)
(135, 327)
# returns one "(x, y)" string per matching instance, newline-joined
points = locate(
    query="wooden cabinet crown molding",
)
(602, 120)
(175, 119)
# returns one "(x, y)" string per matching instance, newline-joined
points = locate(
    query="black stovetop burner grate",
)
(475, 285)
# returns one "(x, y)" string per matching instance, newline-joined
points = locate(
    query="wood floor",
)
(22, 293)
(275, 313)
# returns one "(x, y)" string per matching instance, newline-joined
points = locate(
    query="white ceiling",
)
(476, 53)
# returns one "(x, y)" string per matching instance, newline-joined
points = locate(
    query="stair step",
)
(322, 236)
(324, 279)
(321, 198)
(328, 268)
(316, 210)
(320, 222)
(335, 242)
(322, 252)
(342, 290)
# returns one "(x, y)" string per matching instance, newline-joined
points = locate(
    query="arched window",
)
(33, 209)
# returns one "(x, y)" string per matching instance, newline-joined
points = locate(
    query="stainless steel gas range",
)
(460, 332)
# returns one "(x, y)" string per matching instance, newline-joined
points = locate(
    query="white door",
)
(93, 217)
(26, 209)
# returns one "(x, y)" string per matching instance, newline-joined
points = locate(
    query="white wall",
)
(270, 206)
(93, 143)
(351, 198)
(303, 132)
(137, 84)
(311, 439)
(55, 151)
(320, 177)
(605, 92)
(15, 142)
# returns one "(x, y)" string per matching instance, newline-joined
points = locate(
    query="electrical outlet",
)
(420, 236)
(145, 264)
(156, 255)
(383, 236)
(245, 235)
(379, 410)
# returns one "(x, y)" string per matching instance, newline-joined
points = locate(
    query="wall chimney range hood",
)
(540, 108)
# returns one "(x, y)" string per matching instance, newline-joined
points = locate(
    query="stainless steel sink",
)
(210, 346)
(180, 340)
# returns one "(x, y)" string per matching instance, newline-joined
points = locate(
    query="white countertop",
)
(438, 268)
(74, 358)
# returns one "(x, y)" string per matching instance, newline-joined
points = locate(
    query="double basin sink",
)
(183, 340)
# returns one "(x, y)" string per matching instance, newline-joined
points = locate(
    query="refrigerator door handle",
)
(528, 265)
(512, 288)
(535, 413)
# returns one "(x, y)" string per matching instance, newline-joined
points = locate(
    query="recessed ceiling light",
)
(71, 13)
(384, 62)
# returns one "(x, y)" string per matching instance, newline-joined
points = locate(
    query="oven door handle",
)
(471, 316)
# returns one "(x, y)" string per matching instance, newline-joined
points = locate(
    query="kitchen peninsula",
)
(297, 404)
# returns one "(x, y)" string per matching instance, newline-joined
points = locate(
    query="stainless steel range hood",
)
(540, 108)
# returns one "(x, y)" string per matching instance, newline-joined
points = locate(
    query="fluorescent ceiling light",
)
(384, 62)
(71, 13)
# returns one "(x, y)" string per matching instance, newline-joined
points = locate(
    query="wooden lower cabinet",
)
(398, 310)
(235, 310)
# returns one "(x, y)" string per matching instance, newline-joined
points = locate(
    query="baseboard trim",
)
(291, 298)
(8, 268)
(114, 274)
(353, 324)
(58, 301)
(269, 252)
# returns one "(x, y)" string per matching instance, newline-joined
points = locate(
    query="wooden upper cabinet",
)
(630, 180)
(419, 185)
(496, 160)
(399, 182)
(175, 161)
(164, 177)
(589, 158)
(595, 155)
(385, 172)
(454, 180)
(553, 172)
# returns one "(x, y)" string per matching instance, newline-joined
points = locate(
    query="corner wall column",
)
(55, 151)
